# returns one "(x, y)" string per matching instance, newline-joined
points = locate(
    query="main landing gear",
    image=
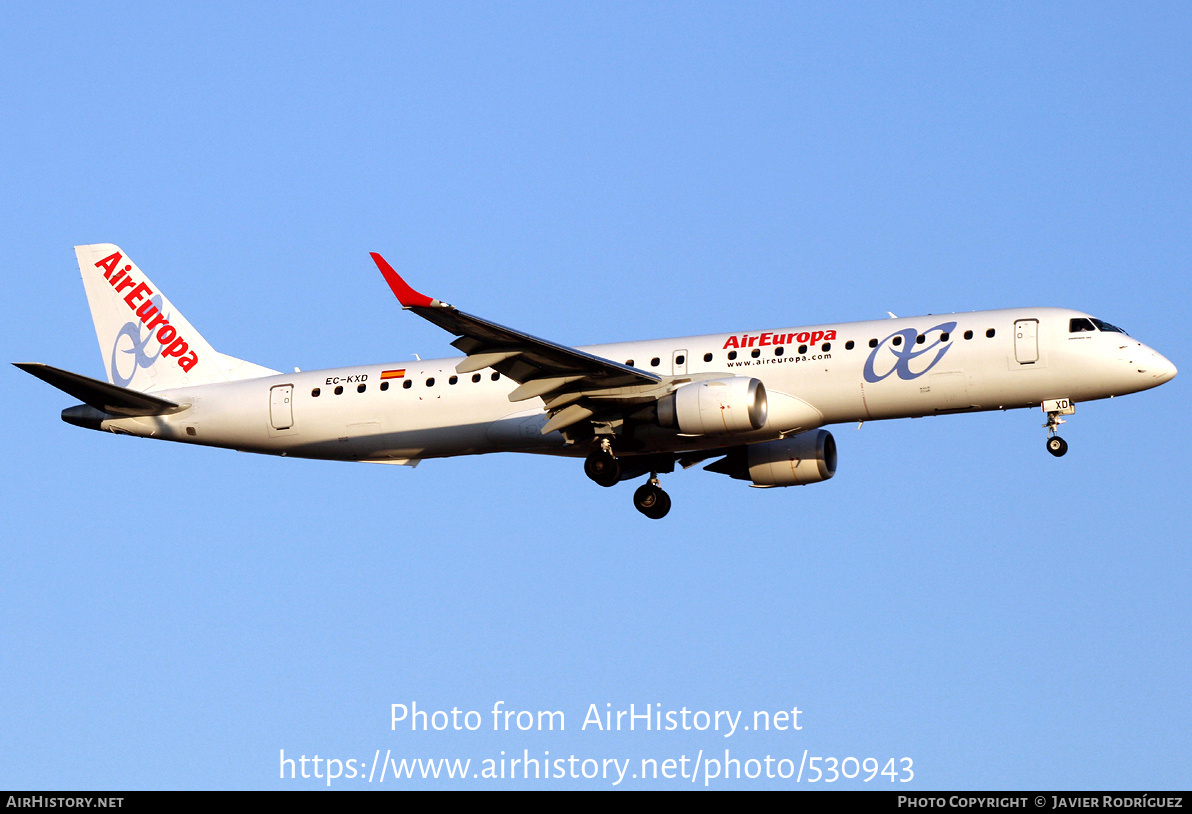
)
(649, 499)
(603, 467)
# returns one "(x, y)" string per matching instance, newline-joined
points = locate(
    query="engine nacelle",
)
(808, 457)
(715, 407)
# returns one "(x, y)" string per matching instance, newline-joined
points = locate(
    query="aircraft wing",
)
(105, 397)
(559, 374)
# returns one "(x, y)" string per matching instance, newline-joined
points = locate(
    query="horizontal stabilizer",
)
(107, 398)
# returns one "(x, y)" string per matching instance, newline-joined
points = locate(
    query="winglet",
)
(408, 297)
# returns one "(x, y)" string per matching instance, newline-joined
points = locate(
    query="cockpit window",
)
(1080, 324)
(1105, 326)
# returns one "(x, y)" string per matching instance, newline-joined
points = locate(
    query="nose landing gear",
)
(1055, 408)
(650, 500)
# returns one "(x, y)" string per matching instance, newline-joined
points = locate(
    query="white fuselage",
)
(815, 375)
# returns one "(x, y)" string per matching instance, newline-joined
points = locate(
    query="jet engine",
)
(715, 407)
(809, 457)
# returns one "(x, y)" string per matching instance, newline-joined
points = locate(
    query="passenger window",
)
(315, 393)
(384, 386)
(802, 349)
(453, 380)
(897, 340)
(407, 384)
(779, 351)
(475, 377)
(361, 388)
(655, 362)
(849, 345)
(968, 334)
(732, 354)
(680, 360)
(339, 390)
(945, 336)
(920, 339)
(495, 377)
(756, 352)
(827, 347)
(707, 357)
(430, 382)
(629, 363)
(873, 343)
(990, 333)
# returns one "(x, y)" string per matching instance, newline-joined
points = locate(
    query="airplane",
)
(755, 401)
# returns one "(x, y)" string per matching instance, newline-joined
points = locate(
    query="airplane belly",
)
(935, 392)
(522, 432)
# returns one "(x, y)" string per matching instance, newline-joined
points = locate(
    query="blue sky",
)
(176, 617)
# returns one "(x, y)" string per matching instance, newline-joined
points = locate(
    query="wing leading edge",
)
(562, 376)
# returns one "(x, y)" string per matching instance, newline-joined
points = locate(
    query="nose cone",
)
(1152, 367)
(1164, 370)
(1144, 367)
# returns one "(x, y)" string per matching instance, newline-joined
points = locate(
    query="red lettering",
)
(166, 334)
(108, 264)
(766, 339)
(147, 310)
(157, 320)
(138, 292)
(189, 362)
(127, 282)
(177, 348)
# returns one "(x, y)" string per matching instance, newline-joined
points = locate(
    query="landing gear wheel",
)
(603, 468)
(650, 500)
(1057, 446)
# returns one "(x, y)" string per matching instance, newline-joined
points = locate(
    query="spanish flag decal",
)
(393, 374)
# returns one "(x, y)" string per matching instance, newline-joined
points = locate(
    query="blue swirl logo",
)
(904, 355)
(137, 344)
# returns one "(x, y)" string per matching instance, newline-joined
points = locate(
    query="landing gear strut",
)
(650, 500)
(1055, 445)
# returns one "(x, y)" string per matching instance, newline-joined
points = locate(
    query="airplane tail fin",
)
(145, 341)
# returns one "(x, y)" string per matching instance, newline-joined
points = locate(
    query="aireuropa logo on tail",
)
(146, 306)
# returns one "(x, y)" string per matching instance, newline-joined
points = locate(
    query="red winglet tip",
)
(407, 296)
